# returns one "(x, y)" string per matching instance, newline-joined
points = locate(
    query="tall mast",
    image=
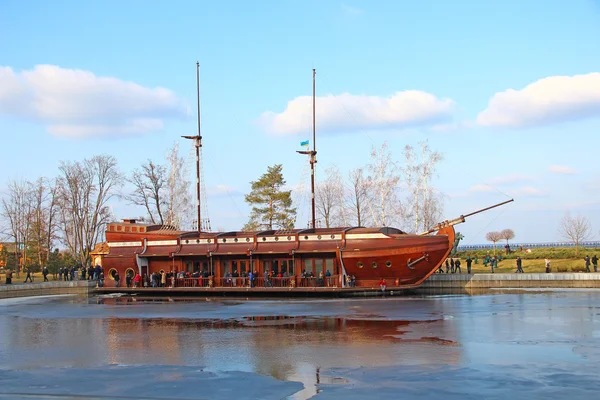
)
(313, 153)
(198, 143)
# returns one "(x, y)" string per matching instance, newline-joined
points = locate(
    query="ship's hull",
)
(368, 255)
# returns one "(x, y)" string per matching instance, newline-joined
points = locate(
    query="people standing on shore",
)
(28, 276)
(45, 273)
(587, 263)
(382, 284)
(469, 261)
(9, 277)
(547, 262)
(493, 263)
(117, 279)
(457, 266)
(452, 265)
(519, 265)
(447, 266)
(595, 263)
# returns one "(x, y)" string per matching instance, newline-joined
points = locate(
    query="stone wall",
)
(46, 288)
(488, 281)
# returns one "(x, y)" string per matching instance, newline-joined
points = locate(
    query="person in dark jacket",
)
(28, 276)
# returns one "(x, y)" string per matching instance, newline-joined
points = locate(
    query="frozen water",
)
(519, 344)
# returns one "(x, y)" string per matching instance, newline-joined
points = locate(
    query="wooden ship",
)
(291, 258)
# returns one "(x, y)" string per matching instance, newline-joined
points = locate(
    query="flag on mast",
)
(304, 144)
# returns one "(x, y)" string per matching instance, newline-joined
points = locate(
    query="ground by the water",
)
(517, 345)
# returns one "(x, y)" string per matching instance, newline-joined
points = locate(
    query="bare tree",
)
(507, 234)
(383, 184)
(43, 197)
(328, 200)
(493, 237)
(16, 212)
(424, 204)
(357, 198)
(85, 189)
(576, 229)
(150, 186)
(178, 204)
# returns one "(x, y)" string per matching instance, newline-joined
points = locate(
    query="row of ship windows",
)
(264, 239)
(360, 264)
(126, 228)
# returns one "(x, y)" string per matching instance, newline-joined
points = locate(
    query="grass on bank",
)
(562, 259)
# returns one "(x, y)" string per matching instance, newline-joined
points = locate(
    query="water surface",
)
(523, 344)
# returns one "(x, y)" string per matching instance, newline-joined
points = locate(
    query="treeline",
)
(385, 192)
(71, 210)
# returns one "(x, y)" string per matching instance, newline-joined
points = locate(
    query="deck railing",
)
(261, 282)
(241, 282)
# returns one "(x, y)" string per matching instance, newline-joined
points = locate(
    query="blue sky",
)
(508, 91)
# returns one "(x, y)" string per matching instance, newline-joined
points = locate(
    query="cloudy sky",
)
(508, 91)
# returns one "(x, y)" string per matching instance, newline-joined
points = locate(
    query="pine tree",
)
(271, 206)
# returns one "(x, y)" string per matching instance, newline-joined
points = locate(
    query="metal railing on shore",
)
(513, 246)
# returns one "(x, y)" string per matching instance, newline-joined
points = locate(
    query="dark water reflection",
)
(236, 348)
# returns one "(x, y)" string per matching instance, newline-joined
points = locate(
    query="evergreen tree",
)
(271, 206)
(55, 262)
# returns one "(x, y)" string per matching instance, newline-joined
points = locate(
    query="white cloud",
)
(561, 169)
(548, 100)
(527, 191)
(509, 179)
(481, 189)
(222, 190)
(77, 103)
(348, 112)
(351, 10)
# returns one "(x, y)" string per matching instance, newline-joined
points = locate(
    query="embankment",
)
(495, 281)
(46, 288)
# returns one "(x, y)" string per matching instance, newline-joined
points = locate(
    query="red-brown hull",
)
(367, 254)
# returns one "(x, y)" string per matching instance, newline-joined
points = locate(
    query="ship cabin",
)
(305, 254)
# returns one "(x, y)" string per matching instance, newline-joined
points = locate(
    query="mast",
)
(198, 143)
(313, 153)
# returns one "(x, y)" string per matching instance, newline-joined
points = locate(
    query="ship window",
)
(142, 229)
(111, 273)
(276, 238)
(197, 240)
(332, 236)
(388, 264)
(360, 264)
(374, 264)
(318, 236)
(224, 240)
(187, 241)
(289, 238)
(119, 228)
(133, 229)
(305, 237)
(130, 272)
(162, 271)
(126, 229)
(247, 239)
(235, 240)
(111, 227)
(264, 239)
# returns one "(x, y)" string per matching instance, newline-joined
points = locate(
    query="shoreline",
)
(440, 283)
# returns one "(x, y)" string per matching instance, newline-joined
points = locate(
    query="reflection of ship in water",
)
(285, 347)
